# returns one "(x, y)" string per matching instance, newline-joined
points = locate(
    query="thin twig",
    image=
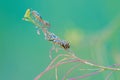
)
(69, 71)
(109, 75)
(56, 73)
(87, 75)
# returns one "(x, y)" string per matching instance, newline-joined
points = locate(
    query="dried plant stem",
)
(69, 71)
(108, 76)
(87, 75)
(50, 66)
(74, 59)
(56, 73)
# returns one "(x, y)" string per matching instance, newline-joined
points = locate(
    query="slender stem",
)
(56, 73)
(108, 76)
(49, 66)
(87, 75)
(69, 71)
(98, 66)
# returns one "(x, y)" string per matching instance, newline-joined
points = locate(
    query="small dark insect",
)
(56, 40)
(65, 44)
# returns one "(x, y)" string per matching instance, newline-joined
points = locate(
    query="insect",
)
(34, 17)
(56, 40)
(64, 44)
(39, 18)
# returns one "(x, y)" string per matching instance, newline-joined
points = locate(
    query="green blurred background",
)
(91, 26)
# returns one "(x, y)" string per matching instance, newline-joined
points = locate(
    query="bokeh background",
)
(91, 26)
